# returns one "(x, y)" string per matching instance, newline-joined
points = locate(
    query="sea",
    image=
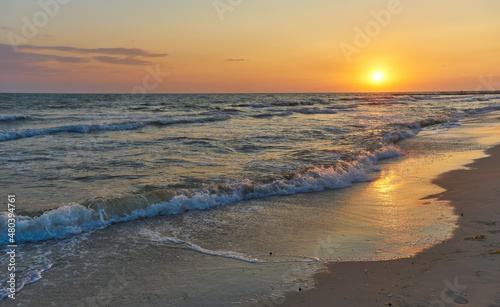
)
(216, 199)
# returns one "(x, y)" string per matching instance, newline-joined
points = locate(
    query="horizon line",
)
(257, 93)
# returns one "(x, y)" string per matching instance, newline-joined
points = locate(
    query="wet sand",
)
(462, 271)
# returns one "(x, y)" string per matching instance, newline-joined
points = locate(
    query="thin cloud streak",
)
(37, 57)
(122, 61)
(130, 52)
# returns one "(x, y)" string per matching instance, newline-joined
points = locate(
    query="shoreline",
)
(461, 271)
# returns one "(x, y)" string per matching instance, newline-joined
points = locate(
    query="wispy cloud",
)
(34, 57)
(129, 52)
(12, 62)
(122, 61)
(235, 60)
(37, 57)
(94, 67)
(5, 28)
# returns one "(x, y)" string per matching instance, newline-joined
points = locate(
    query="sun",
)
(378, 76)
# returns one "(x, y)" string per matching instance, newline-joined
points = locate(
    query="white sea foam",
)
(25, 277)
(226, 254)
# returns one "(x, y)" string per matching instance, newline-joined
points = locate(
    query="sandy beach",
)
(462, 271)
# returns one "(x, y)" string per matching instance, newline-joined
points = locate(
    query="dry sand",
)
(462, 271)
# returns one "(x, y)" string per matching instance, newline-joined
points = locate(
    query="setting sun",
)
(378, 76)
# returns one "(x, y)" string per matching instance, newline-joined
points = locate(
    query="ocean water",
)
(202, 173)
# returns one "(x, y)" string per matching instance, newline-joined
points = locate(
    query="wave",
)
(343, 107)
(96, 213)
(428, 122)
(286, 103)
(279, 112)
(310, 102)
(14, 117)
(256, 106)
(350, 98)
(492, 97)
(413, 128)
(482, 99)
(321, 101)
(264, 115)
(87, 128)
(482, 110)
(386, 102)
(315, 110)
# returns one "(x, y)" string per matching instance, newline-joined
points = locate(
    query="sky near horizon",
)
(245, 46)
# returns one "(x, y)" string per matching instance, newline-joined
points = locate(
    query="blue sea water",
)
(78, 163)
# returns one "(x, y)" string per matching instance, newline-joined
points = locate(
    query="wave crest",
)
(14, 117)
(72, 219)
(87, 128)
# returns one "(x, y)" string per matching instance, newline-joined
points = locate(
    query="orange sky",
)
(248, 46)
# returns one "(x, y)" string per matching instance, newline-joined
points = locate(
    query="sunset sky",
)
(245, 46)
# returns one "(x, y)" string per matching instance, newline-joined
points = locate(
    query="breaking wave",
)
(96, 213)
